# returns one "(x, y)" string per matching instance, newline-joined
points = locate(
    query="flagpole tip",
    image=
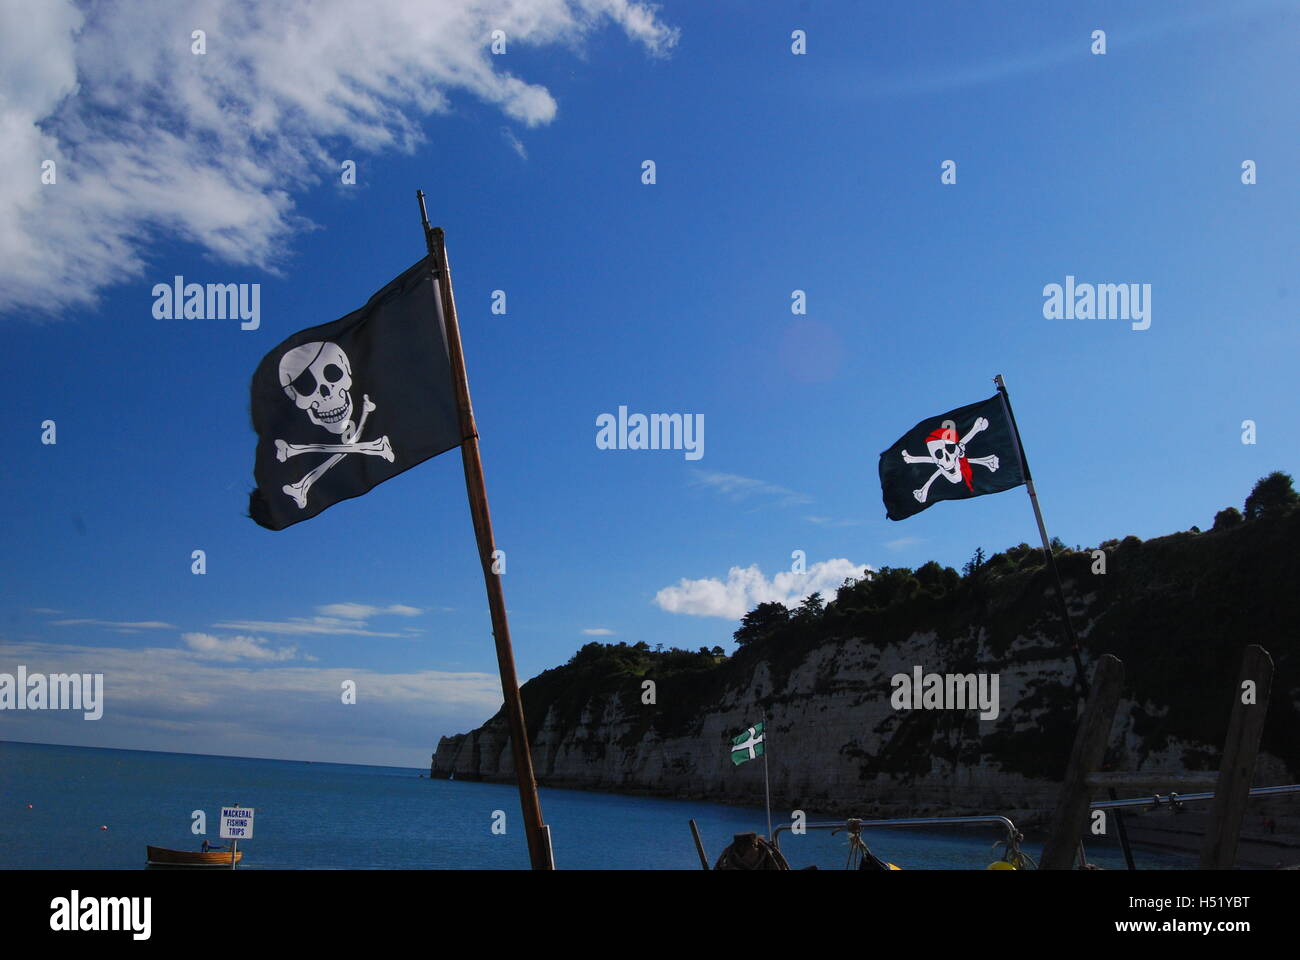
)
(424, 213)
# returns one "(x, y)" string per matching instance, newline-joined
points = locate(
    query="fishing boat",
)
(162, 857)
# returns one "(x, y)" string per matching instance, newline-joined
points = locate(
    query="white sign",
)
(236, 823)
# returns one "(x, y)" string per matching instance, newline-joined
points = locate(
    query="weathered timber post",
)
(699, 845)
(1240, 749)
(1069, 819)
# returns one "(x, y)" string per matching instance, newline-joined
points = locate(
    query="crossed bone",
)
(991, 461)
(375, 448)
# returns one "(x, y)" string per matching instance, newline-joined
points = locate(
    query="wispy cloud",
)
(738, 488)
(747, 587)
(119, 625)
(597, 632)
(297, 626)
(363, 611)
(179, 699)
(515, 144)
(150, 139)
(902, 543)
(334, 619)
(208, 647)
(832, 522)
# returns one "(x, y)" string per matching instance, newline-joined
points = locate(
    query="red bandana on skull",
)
(947, 435)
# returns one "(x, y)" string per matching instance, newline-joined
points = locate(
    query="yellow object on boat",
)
(1001, 865)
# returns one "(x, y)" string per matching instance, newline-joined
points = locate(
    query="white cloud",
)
(515, 143)
(902, 543)
(747, 587)
(298, 626)
(119, 625)
(832, 522)
(208, 647)
(736, 487)
(175, 699)
(597, 632)
(362, 611)
(402, 610)
(152, 140)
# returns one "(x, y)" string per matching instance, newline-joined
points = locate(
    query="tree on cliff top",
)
(936, 579)
(812, 607)
(1273, 496)
(878, 590)
(1227, 518)
(760, 622)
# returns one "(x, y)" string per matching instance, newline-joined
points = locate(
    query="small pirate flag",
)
(966, 452)
(344, 406)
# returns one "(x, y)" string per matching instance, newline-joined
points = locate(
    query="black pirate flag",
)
(342, 407)
(966, 452)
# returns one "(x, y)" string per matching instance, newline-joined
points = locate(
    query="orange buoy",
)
(103, 828)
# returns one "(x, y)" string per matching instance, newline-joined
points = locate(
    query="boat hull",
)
(162, 857)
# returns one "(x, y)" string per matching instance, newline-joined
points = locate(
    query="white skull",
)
(318, 378)
(947, 451)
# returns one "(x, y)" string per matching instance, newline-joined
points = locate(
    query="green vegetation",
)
(600, 671)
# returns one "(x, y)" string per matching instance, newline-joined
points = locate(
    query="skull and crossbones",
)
(948, 454)
(317, 377)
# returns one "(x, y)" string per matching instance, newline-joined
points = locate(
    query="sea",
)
(88, 808)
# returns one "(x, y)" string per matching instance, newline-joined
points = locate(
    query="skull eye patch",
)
(333, 372)
(305, 385)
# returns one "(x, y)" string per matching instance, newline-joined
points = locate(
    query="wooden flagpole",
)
(539, 845)
(1081, 679)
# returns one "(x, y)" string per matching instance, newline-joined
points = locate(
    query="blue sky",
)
(775, 172)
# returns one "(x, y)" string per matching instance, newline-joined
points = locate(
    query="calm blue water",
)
(336, 816)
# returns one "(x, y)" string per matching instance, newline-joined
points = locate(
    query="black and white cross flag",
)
(344, 406)
(963, 453)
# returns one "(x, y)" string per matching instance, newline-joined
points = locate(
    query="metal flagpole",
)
(539, 847)
(1080, 677)
(767, 790)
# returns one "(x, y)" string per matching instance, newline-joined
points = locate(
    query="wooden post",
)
(234, 853)
(538, 846)
(1237, 768)
(1070, 817)
(699, 845)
